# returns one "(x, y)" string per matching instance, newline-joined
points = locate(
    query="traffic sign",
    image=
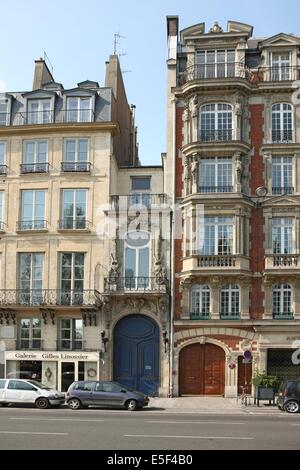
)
(247, 354)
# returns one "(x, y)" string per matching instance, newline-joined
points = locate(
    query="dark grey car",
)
(110, 394)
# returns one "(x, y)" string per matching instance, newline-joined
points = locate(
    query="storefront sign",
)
(50, 356)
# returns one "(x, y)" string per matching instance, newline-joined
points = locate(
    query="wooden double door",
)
(202, 370)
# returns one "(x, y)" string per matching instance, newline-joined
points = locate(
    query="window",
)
(215, 175)
(281, 66)
(200, 301)
(4, 117)
(71, 334)
(2, 158)
(2, 384)
(282, 175)
(35, 157)
(216, 122)
(282, 300)
(140, 183)
(30, 333)
(282, 122)
(1, 209)
(85, 386)
(72, 278)
(217, 236)
(31, 278)
(137, 255)
(33, 210)
(230, 301)
(215, 64)
(138, 186)
(283, 235)
(76, 155)
(74, 210)
(18, 385)
(39, 111)
(79, 109)
(108, 387)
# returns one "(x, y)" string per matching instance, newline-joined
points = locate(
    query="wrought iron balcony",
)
(42, 167)
(278, 73)
(215, 189)
(276, 190)
(31, 118)
(2, 226)
(29, 344)
(3, 169)
(283, 315)
(282, 261)
(230, 315)
(49, 297)
(136, 284)
(283, 136)
(139, 200)
(214, 71)
(74, 224)
(220, 135)
(25, 225)
(212, 261)
(199, 316)
(70, 345)
(72, 167)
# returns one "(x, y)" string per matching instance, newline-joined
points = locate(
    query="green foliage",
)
(264, 380)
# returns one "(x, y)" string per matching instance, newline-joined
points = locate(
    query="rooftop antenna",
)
(117, 37)
(46, 59)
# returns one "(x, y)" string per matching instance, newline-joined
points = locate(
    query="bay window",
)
(215, 122)
(215, 175)
(217, 236)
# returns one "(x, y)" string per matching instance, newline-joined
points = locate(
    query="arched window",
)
(230, 301)
(282, 122)
(200, 301)
(282, 301)
(137, 260)
(215, 122)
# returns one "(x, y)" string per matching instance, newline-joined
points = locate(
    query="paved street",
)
(160, 429)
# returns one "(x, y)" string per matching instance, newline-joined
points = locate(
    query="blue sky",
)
(78, 37)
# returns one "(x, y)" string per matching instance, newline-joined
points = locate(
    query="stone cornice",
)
(57, 128)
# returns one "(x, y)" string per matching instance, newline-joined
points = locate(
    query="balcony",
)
(29, 344)
(216, 263)
(30, 225)
(278, 73)
(230, 316)
(76, 167)
(282, 136)
(215, 189)
(29, 168)
(277, 190)
(48, 297)
(3, 169)
(221, 135)
(214, 71)
(74, 224)
(200, 316)
(70, 345)
(136, 284)
(47, 117)
(282, 262)
(139, 200)
(283, 315)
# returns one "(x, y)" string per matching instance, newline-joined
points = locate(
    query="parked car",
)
(29, 391)
(111, 394)
(289, 396)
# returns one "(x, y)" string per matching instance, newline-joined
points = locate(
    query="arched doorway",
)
(136, 353)
(202, 370)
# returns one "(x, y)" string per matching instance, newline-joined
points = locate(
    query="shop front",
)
(54, 369)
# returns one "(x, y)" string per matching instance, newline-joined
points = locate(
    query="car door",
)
(18, 391)
(113, 394)
(2, 388)
(85, 392)
(297, 390)
(100, 397)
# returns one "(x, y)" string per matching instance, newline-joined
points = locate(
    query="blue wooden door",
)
(136, 353)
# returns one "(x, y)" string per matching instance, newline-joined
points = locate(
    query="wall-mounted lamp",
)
(104, 340)
(165, 339)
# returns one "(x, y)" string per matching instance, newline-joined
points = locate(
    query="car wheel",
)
(292, 406)
(74, 404)
(131, 405)
(42, 403)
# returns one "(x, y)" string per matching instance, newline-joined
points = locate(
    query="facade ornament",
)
(238, 108)
(238, 167)
(186, 114)
(160, 273)
(187, 175)
(114, 271)
(194, 168)
(135, 304)
(162, 306)
(194, 106)
(216, 28)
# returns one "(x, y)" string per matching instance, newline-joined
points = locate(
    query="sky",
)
(78, 37)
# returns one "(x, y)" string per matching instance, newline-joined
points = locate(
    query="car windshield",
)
(38, 384)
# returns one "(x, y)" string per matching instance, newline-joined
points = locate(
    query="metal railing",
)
(282, 190)
(219, 261)
(136, 284)
(42, 167)
(285, 260)
(216, 135)
(49, 297)
(70, 345)
(136, 200)
(31, 118)
(230, 315)
(216, 70)
(38, 224)
(83, 167)
(283, 315)
(215, 189)
(3, 169)
(199, 316)
(74, 224)
(278, 73)
(2, 226)
(29, 344)
(282, 136)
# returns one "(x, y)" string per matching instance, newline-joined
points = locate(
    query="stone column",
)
(186, 125)
(195, 172)
(215, 298)
(185, 287)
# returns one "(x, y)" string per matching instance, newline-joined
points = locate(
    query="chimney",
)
(172, 31)
(42, 74)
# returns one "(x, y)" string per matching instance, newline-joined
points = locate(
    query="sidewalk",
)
(210, 405)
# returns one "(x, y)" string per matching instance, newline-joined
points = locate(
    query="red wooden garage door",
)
(201, 370)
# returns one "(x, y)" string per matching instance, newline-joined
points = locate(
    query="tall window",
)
(71, 334)
(76, 155)
(35, 157)
(137, 256)
(282, 122)
(282, 175)
(39, 112)
(33, 209)
(74, 210)
(215, 64)
(283, 235)
(140, 191)
(216, 122)
(217, 236)
(30, 333)
(230, 301)
(282, 300)
(1, 209)
(2, 158)
(31, 278)
(200, 301)
(215, 175)
(79, 109)
(4, 118)
(281, 66)
(72, 278)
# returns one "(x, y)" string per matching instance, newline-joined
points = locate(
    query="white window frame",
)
(32, 223)
(78, 111)
(215, 222)
(138, 282)
(231, 289)
(72, 279)
(285, 225)
(278, 66)
(200, 290)
(215, 69)
(6, 121)
(32, 290)
(75, 218)
(282, 130)
(41, 113)
(4, 144)
(282, 289)
(211, 125)
(2, 202)
(286, 167)
(217, 163)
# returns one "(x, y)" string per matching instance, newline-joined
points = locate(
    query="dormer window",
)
(281, 66)
(215, 64)
(4, 115)
(39, 112)
(79, 109)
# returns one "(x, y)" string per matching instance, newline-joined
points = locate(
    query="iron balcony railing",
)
(42, 167)
(278, 73)
(216, 70)
(216, 261)
(49, 297)
(216, 135)
(199, 316)
(139, 200)
(2, 226)
(3, 169)
(215, 189)
(282, 190)
(230, 315)
(283, 315)
(83, 167)
(70, 345)
(136, 284)
(282, 136)
(31, 118)
(285, 260)
(35, 344)
(74, 224)
(37, 224)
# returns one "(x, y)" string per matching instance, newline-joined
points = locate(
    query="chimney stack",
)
(42, 74)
